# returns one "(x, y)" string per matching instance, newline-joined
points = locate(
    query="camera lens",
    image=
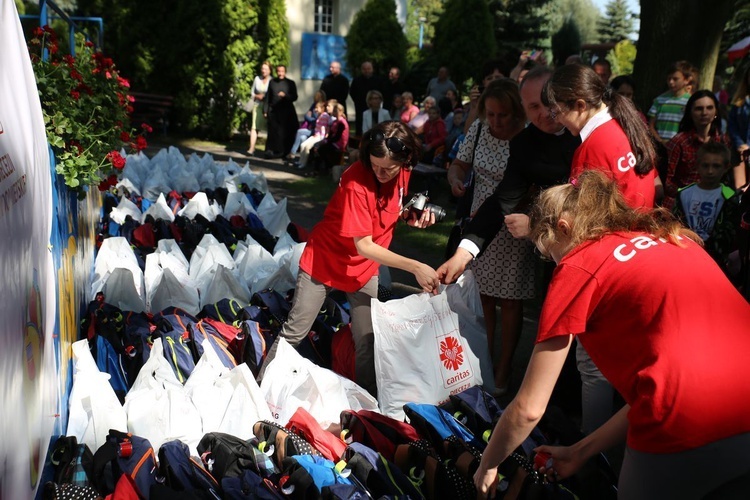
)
(438, 211)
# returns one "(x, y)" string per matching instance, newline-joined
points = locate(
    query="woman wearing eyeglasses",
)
(345, 249)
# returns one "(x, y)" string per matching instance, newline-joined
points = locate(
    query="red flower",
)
(69, 60)
(38, 31)
(117, 160)
(123, 82)
(77, 145)
(131, 98)
(75, 94)
(108, 183)
(146, 128)
(89, 43)
(75, 75)
(140, 143)
(108, 75)
(129, 109)
(451, 353)
(124, 136)
(53, 48)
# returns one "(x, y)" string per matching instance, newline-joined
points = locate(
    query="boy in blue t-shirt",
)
(708, 207)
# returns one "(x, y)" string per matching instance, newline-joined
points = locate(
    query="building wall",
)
(301, 16)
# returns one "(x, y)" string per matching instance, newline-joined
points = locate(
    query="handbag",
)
(463, 209)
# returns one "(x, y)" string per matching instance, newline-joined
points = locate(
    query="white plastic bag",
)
(224, 285)
(228, 401)
(291, 381)
(116, 252)
(158, 406)
(120, 290)
(123, 209)
(94, 407)
(238, 204)
(159, 210)
(199, 204)
(420, 353)
(273, 215)
(255, 265)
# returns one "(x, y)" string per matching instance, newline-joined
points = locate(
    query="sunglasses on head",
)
(394, 144)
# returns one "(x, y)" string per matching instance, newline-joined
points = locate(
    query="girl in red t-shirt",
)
(665, 326)
(345, 249)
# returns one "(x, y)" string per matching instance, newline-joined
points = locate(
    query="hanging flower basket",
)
(86, 106)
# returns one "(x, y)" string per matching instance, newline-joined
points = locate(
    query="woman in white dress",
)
(260, 87)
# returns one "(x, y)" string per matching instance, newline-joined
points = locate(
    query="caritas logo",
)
(451, 353)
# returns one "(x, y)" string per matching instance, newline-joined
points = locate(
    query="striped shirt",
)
(668, 110)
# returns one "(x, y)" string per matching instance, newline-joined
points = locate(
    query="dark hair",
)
(621, 80)
(714, 148)
(687, 124)
(572, 82)
(379, 149)
(602, 62)
(490, 66)
(504, 90)
(536, 73)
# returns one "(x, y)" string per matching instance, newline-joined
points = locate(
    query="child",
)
(322, 124)
(667, 109)
(433, 135)
(708, 207)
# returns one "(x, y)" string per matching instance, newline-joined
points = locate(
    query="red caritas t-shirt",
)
(361, 206)
(606, 148)
(666, 328)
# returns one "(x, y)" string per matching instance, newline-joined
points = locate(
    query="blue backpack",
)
(172, 325)
(181, 472)
(124, 453)
(475, 408)
(437, 425)
(203, 331)
(249, 486)
(306, 476)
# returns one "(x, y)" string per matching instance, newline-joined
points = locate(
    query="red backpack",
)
(382, 434)
(330, 446)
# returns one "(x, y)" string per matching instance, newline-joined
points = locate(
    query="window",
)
(323, 16)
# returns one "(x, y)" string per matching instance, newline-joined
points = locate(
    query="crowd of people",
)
(562, 162)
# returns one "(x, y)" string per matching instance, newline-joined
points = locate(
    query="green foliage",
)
(566, 42)
(203, 54)
(584, 12)
(617, 22)
(376, 36)
(464, 38)
(86, 109)
(622, 57)
(272, 32)
(520, 24)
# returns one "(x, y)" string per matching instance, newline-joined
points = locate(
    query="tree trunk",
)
(677, 30)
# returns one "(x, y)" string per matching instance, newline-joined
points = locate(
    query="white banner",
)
(28, 374)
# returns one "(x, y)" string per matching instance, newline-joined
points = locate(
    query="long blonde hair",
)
(595, 207)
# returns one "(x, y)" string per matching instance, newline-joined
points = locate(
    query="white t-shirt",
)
(701, 207)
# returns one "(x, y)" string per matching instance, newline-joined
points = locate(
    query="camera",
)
(418, 204)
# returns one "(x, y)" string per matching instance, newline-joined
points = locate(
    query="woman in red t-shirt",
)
(345, 249)
(665, 326)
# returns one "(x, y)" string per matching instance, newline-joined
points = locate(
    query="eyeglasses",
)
(554, 112)
(394, 144)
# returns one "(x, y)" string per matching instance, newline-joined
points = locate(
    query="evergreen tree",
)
(566, 42)
(273, 31)
(464, 38)
(616, 24)
(376, 36)
(520, 24)
(584, 12)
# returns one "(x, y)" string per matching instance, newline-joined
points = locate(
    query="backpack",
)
(124, 454)
(252, 343)
(475, 408)
(226, 311)
(226, 456)
(181, 472)
(435, 477)
(437, 425)
(306, 476)
(73, 462)
(137, 343)
(380, 476)
(274, 309)
(280, 441)
(202, 331)
(343, 353)
(249, 486)
(382, 434)
(172, 325)
(305, 425)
